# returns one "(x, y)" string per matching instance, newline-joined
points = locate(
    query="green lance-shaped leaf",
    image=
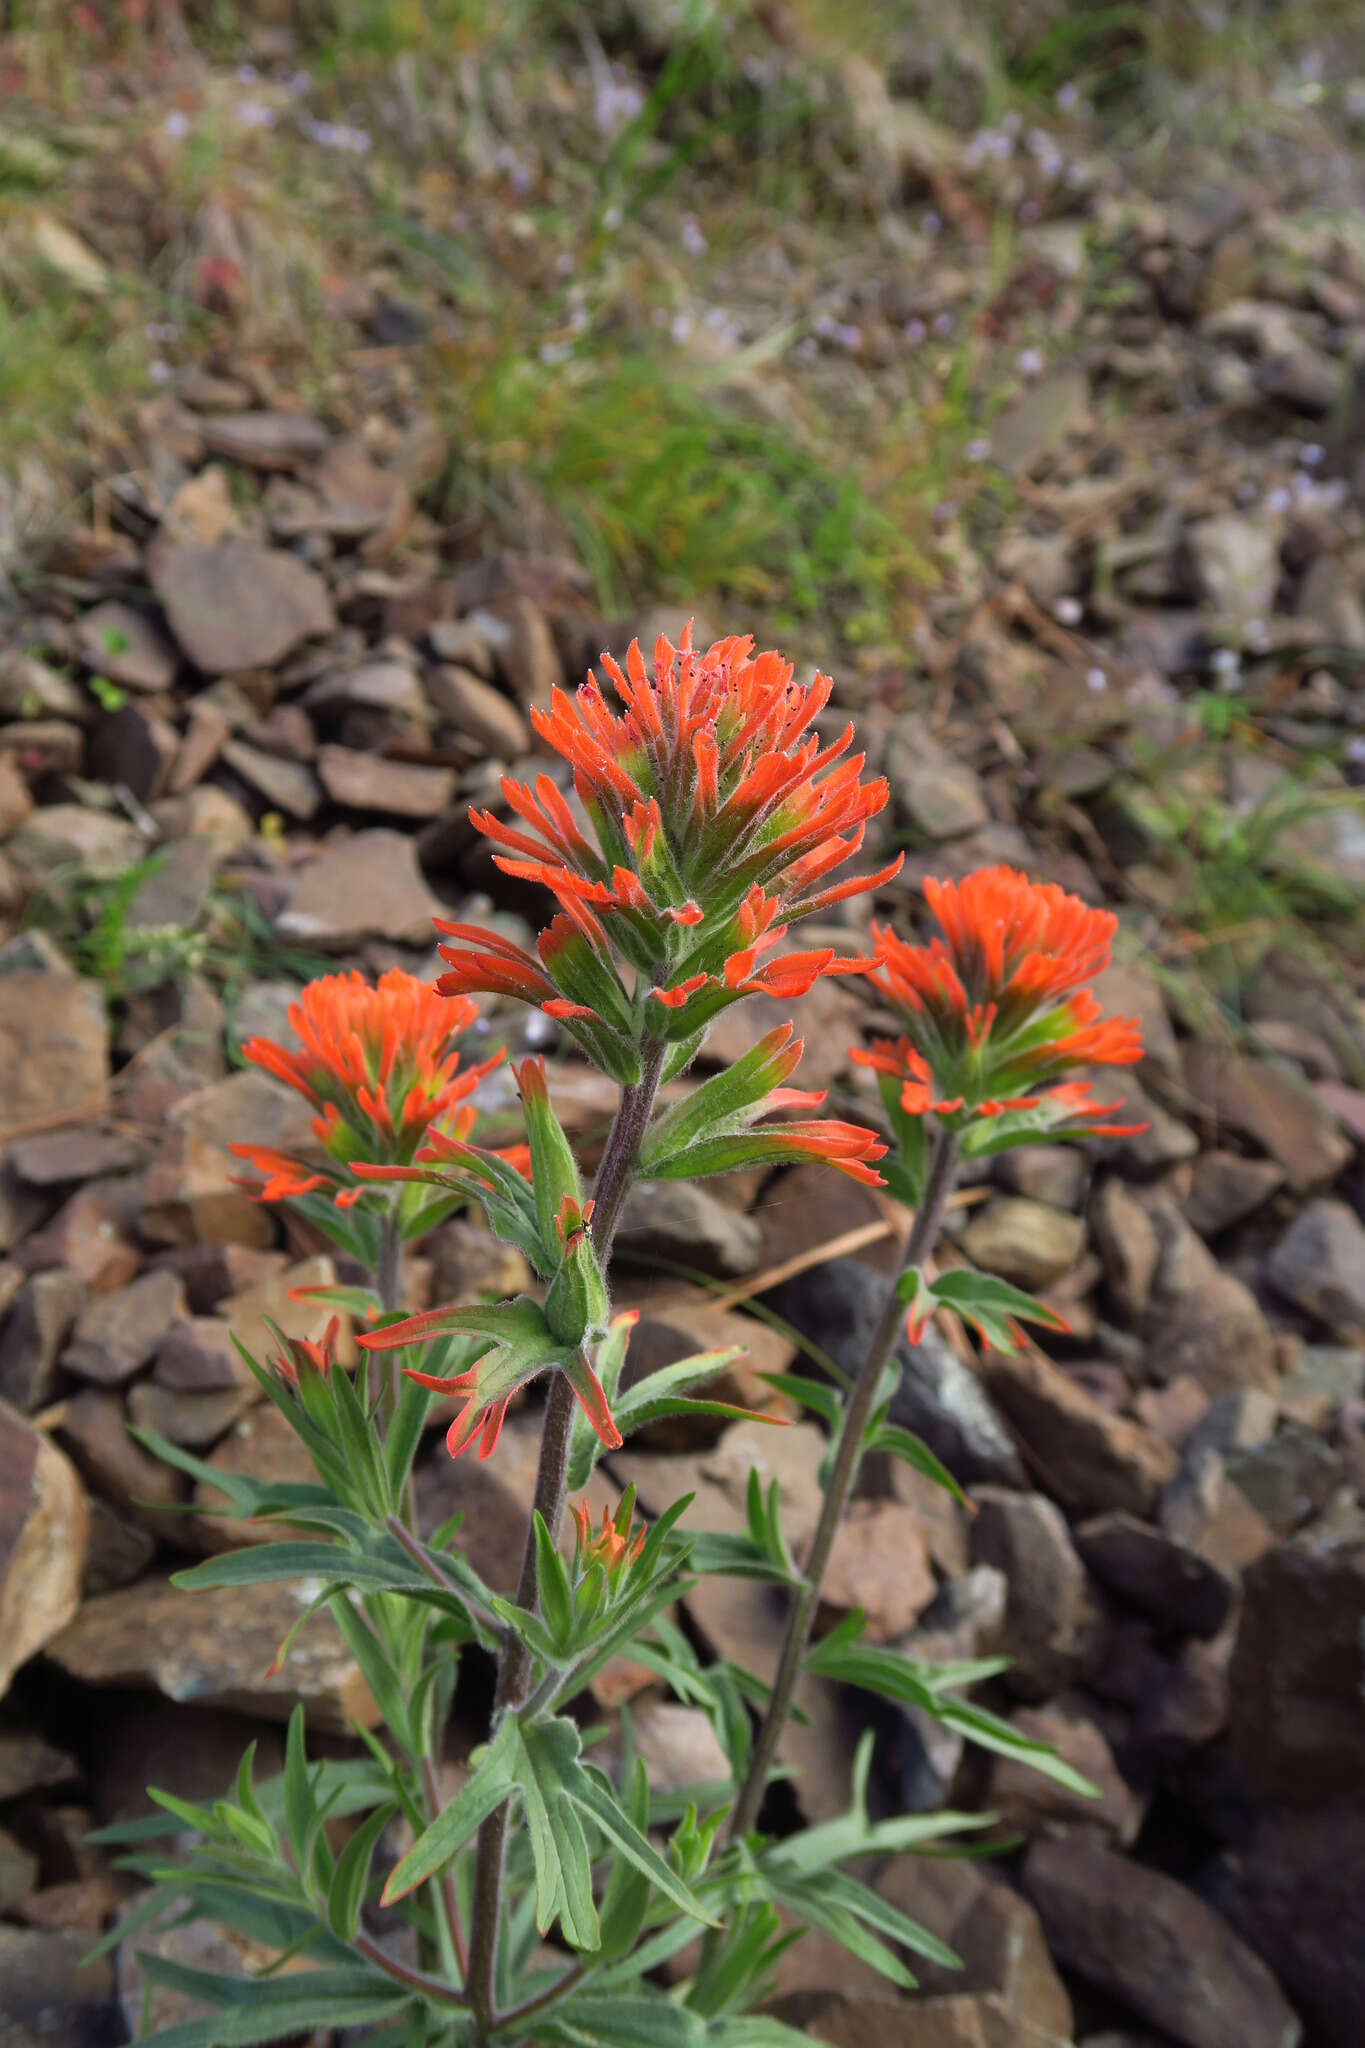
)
(720, 1101)
(991, 1305)
(494, 1777)
(352, 1873)
(554, 1170)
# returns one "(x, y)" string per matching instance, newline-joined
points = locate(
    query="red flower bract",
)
(717, 814)
(995, 1007)
(380, 1067)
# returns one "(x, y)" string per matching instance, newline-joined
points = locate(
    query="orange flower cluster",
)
(995, 1008)
(380, 1067)
(612, 1545)
(297, 1353)
(717, 815)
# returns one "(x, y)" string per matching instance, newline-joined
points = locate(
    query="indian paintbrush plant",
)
(541, 1901)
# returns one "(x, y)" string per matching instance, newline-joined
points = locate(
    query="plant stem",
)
(445, 1885)
(415, 1980)
(389, 1269)
(923, 1236)
(628, 1127)
(517, 2015)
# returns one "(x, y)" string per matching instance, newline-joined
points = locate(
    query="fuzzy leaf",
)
(493, 1779)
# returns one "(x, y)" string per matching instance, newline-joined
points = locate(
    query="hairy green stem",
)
(517, 2015)
(415, 1980)
(628, 1127)
(924, 1230)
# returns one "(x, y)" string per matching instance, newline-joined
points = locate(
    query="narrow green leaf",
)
(404, 1434)
(299, 1802)
(494, 1779)
(904, 1444)
(600, 1805)
(556, 1599)
(352, 1873)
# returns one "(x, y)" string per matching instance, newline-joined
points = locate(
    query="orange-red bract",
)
(995, 1007)
(380, 1067)
(713, 815)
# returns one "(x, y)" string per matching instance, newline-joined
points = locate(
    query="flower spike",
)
(379, 1066)
(716, 814)
(994, 1011)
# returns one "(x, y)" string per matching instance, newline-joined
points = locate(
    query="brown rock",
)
(54, 1052)
(16, 801)
(43, 1528)
(1093, 1460)
(880, 1563)
(478, 712)
(1298, 1671)
(1295, 1889)
(1026, 1799)
(367, 782)
(1265, 1103)
(685, 1221)
(1189, 1709)
(95, 1430)
(135, 748)
(30, 1764)
(57, 1158)
(1127, 989)
(202, 510)
(218, 1649)
(128, 646)
(193, 1193)
(50, 1996)
(1173, 1411)
(1164, 1578)
(1205, 1321)
(809, 1207)
(264, 440)
(831, 1021)
(989, 1927)
(1045, 1173)
(679, 1747)
(365, 886)
(469, 1262)
(1319, 1264)
(197, 1355)
(954, 2022)
(45, 746)
(523, 646)
(263, 1446)
(942, 1518)
(18, 1871)
(1225, 1187)
(1164, 1141)
(1128, 1246)
(1147, 1940)
(1288, 1477)
(236, 605)
(34, 1334)
(246, 1313)
(1027, 1242)
(193, 1419)
(116, 1333)
(119, 1551)
(88, 1235)
(387, 685)
(1204, 1511)
(288, 786)
(1054, 1627)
